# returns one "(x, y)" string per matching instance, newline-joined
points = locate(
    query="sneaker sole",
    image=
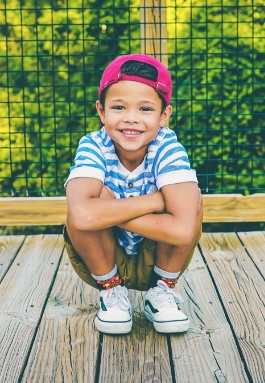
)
(169, 327)
(113, 327)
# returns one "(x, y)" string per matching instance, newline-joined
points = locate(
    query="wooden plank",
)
(30, 211)
(207, 352)
(27, 211)
(66, 345)
(241, 289)
(9, 246)
(153, 18)
(254, 242)
(234, 208)
(141, 356)
(23, 293)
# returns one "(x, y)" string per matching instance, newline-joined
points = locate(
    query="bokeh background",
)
(53, 52)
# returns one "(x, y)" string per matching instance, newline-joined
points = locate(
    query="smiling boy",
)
(145, 242)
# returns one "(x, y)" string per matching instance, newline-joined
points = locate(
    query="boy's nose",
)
(131, 117)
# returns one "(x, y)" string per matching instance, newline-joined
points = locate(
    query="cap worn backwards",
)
(162, 85)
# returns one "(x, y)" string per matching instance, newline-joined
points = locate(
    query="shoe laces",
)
(167, 296)
(117, 295)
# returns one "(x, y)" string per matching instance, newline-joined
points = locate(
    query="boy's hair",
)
(140, 68)
(136, 68)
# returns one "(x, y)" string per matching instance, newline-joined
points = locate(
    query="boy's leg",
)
(97, 250)
(174, 259)
(161, 301)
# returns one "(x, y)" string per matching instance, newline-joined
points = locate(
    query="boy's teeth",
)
(130, 132)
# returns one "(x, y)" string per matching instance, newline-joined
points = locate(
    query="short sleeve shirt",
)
(165, 163)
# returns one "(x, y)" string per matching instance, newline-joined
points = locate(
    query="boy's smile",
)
(132, 116)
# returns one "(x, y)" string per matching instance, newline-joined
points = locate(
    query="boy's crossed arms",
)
(172, 216)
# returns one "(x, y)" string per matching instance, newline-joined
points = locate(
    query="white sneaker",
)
(161, 308)
(115, 313)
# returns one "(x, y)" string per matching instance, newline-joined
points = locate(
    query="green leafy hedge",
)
(51, 60)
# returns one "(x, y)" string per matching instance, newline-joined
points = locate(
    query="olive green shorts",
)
(135, 270)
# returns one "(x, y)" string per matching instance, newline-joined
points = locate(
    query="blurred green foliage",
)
(219, 90)
(52, 54)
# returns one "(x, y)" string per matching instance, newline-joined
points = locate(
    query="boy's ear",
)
(100, 111)
(165, 115)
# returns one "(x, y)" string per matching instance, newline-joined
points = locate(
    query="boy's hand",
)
(106, 193)
(88, 201)
(159, 201)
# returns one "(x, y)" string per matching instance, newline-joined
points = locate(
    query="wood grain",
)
(153, 18)
(255, 245)
(207, 352)
(52, 210)
(60, 344)
(9, 247)
(141, 356)
(23, 292)
(234, 208)
(32, 211)
(66, 345)
(242, 293)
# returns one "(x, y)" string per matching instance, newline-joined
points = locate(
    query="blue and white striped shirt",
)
(165, 163)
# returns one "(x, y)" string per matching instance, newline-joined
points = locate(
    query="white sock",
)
(166, 274)
(105, 277)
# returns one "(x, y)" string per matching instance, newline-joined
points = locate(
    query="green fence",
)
(52, 54)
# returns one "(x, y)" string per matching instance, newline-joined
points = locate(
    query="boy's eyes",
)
(146, 108)
(143, 108)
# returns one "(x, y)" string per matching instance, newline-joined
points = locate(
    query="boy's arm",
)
(87, 211)
(181, 223)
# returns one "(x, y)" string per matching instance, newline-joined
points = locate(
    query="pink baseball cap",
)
(162, 85)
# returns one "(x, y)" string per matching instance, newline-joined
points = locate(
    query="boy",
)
(145, 242)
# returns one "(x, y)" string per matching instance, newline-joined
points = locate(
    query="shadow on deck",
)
(47, 315)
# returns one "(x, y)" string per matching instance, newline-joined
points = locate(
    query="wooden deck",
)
(47, 318)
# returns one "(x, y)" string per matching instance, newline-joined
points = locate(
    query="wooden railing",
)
(52, 210)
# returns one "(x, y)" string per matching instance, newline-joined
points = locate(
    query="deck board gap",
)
(23, 368)
(218, 342)
(170, 353)
(243, 359)
(13, 260)
(100, 342)
(250, 256)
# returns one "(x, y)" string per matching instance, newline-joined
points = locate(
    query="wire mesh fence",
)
(53, 52)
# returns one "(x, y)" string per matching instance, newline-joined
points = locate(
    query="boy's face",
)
(132, 118)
